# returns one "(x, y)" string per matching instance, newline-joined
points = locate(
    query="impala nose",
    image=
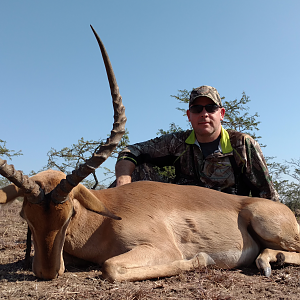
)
(46, 276)
(48, 273)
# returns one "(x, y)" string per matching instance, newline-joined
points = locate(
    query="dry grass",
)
(206, 283)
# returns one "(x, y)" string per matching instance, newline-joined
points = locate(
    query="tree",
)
(70, 158)
(286, 179)
(4, 152)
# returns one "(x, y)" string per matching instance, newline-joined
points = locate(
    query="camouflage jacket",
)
(238, 167)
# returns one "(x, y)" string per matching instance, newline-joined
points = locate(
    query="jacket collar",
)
(224, 141)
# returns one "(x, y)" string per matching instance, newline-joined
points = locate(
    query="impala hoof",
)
(267, 272)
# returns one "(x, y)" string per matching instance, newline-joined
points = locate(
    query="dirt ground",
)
(206, 283)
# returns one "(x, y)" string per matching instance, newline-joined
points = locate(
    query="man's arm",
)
(159, 151)
(124, 170)
(257, 172)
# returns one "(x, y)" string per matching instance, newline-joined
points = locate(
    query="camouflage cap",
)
(205, 91)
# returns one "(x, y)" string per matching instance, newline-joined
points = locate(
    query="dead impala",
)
(145, 229)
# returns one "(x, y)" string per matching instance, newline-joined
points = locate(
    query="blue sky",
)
(53, 84)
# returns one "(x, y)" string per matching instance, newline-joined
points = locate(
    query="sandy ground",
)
(206, 283)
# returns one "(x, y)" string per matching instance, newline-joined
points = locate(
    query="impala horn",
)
(60, 193)
(32, 190)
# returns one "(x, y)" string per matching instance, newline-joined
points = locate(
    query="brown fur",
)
(165, 229)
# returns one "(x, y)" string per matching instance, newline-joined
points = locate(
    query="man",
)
(208, 155)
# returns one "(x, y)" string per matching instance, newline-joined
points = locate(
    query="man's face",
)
(207, 126)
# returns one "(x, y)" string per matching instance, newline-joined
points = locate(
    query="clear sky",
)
(53, 85)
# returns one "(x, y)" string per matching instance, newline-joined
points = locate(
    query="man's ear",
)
(188, 114)
(222, 112)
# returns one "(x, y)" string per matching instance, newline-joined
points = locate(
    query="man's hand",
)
(123, 180)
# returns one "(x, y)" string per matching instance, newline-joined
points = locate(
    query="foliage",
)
(237, 116)
(4, 182)
(286, 178)
(4, 152)
(173, 128)
(70, 158)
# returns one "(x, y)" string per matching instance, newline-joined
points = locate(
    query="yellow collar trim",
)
(224, 142)
(191, 138)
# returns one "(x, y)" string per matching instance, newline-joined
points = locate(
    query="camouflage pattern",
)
(205, 91)
(215, 171)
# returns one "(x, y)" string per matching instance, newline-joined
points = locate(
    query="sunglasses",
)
(210, 108)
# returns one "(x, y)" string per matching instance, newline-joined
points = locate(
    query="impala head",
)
(49, 195)
(48, 222)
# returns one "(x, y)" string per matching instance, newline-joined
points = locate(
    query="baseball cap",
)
(205, 91)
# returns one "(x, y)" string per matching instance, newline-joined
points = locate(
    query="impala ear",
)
(92, 203)
(10, 193)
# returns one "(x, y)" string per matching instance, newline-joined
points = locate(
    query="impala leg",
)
(27, 260)
(280, 257)
(143, 263)
(277, 228)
